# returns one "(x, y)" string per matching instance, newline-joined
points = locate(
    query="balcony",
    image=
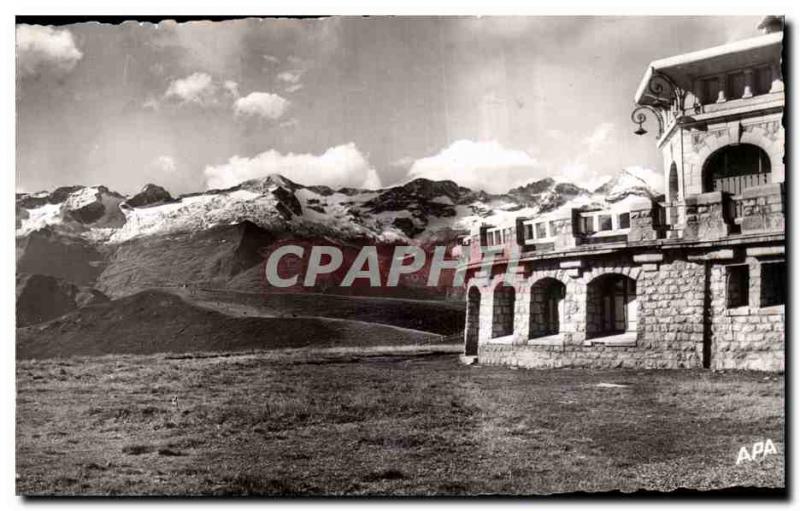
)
(703, 217)
(715, 215)
(760, 209)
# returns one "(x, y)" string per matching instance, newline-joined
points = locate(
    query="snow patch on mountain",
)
(39, 218)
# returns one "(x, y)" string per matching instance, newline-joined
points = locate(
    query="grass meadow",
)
(383, 422)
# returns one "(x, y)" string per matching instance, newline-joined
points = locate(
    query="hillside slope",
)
(159, 322)
(43, 297)
(211, 257)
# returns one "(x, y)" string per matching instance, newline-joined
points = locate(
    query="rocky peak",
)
(624, 185)
(150, 195)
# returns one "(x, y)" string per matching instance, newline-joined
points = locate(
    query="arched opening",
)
(672, 185)
(547, 298)
(503, 311)
(734, 168)
(610, 306)
(472, 330)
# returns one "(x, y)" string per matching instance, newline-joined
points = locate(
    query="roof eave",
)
(744, 45)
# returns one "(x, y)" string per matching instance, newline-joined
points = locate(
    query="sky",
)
(491, 103)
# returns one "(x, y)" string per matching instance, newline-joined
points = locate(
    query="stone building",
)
(697, 280)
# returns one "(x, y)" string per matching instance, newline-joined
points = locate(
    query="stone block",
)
(766, 251)
(648, 258)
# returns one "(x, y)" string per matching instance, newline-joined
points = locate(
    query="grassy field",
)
(408, 423)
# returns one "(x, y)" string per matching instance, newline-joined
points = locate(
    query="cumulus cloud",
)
(43, 48)
(261, 104)
(339, 166)
(484, 166)
(196, 88)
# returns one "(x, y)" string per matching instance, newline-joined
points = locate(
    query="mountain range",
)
(101, 272)
(418, 210)
(114, 245)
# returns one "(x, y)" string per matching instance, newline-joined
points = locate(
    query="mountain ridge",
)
(400, 213)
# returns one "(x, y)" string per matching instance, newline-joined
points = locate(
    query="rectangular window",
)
(738, 285)
(604, 223)
(625, 221)
(541, 230)
(773, 284)
(735, 88)
(553, 229)
(587, 224)
(762, 80)
(710, 90)
(528, 231)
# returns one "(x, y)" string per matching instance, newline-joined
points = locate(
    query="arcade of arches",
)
(652, 310)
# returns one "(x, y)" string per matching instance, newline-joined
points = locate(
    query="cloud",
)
(164, 164)
(582, 167)
(339, 166)
(653, 178)
(196, 88)
(290, 123)
(261, 104)
(45, 48)
(271, 58)
(484, 166)
(290, 76)
(151, 103)
(599, 138)
(579, 173)
(231, 88)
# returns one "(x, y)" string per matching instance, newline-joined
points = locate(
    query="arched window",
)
(734, 168)
(610, 306)
(472, 329)
(547, 297)
(503, 311)
(673, 183)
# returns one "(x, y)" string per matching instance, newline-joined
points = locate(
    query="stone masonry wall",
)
(681, 319)
(749, 337)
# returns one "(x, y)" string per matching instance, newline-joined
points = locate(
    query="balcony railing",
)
(707, 216)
